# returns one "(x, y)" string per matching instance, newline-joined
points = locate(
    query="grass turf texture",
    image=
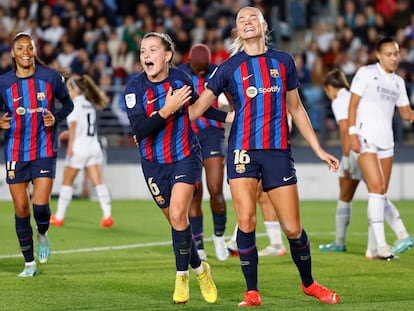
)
(92, 268)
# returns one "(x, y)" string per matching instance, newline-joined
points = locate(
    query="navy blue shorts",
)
(161, 177)
(19, 172)
(212, 142)
(274, 167)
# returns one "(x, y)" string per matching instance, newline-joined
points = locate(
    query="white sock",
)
(273, 232)
(376, 206)
(392, 217)
(234, 236)
(199, 269)
(343, 215)
(372, 243)
(182, 273)
(65, 197)
(104, 199)
(30, 264)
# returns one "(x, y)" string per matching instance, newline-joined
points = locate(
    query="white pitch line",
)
(140, 245)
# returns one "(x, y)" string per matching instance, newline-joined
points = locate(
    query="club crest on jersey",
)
(240, 168)
(274, 73)
(41, 96)
(160, 200)
(11, 175)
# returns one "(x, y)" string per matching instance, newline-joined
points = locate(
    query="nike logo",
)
(287, 178)
(44, 171)
(214, 152)
(149, 102)
(179, 176)
(17, 99)
(245, 78)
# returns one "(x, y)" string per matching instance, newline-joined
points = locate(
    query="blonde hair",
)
(85, 85)
(238, 44)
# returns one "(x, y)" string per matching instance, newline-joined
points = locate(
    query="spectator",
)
(131, 34)
(54, 32)
(75, 32)
(323, 36)
(5, 20)
(21, 20)
(67, 55)
(198, 33)
(401, 17)
(81, 63)
(5, 62)
(101, 53)
(303, 72)
(350, 13)
(45, 17)
(122, 62)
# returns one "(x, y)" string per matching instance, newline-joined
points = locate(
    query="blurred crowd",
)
(102, 37)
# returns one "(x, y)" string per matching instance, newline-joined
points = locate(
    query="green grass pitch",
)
(131, 265)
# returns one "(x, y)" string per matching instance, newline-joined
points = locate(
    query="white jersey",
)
(340, 105)
(86, 139)
(380, 93)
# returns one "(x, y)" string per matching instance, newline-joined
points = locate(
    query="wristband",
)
(352, 130)
(345, 163)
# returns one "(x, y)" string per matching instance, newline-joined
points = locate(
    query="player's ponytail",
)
(85, 85)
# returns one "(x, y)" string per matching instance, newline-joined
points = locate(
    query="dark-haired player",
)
(27, 94)
(210, 134)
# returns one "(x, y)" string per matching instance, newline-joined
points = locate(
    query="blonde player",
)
(84, 150)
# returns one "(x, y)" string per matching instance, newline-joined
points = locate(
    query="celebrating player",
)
(210, 134)
(262, 83)
(158, 104)
(28, 94)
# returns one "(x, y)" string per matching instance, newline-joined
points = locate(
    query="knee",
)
(215, 191)
(21, 210)
(376, 187)
(178, 221)
(218, 200)
(247, 223)
(292, 231)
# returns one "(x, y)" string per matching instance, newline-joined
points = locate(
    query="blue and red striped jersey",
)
(199, 86)
(258, 86)
(25, 99)
(176, 140)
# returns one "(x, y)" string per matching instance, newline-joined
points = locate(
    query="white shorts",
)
(81, 161)
(372, 148)
(354, 169)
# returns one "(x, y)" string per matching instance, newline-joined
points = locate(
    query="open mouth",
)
(248, 29)
(149, 64)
